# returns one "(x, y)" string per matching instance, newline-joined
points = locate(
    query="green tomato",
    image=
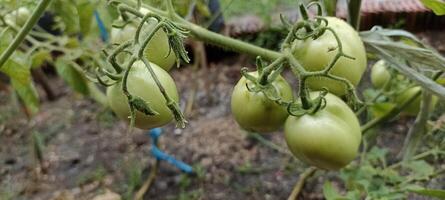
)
(380, 74)
(413, 108)
(141, 84)
(157, 50)
(254, 111)
(328, 139)
(18, 17)
(315, 55)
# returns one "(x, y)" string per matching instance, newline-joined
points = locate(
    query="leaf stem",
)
(354, 13)
(418, 129)
(24, 31)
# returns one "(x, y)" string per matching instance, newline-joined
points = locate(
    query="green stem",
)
(170, 9)
(229, 43)
(330, 6)
(354, 13)
(24, 31)
(267, 70)
(299, 185)
(97, 94)
(219, 40)
(418, 129)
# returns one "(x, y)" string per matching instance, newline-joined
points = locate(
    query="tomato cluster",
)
(329, 138)
(140, 82)
(316, 55)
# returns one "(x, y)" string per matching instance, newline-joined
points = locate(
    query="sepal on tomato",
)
(142, 106)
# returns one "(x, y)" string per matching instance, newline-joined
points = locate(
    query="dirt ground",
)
(87, 151)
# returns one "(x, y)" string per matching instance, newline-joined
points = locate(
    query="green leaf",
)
(72, 76)
(85, 9)
(66, 13)
(330, 193)
(6, 36)
(377, 154)
(405, 58)
(420, 168)
(40, 57)
(438, 6)
(19, 73)
(440, 194)
(28, 94)
(16, 71)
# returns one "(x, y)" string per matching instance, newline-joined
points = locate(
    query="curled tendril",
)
(319, 7)
(286, 22)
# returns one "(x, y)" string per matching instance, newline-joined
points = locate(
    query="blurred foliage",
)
(261, 8)
(373, 177)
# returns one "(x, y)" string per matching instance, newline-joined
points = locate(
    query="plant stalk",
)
(354, 13)
(418, 129)
(24, 31)
(299, 185)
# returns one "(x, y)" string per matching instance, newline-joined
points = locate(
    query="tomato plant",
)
(328, 139)
(141, 84)
(322, 53)
(316, 55)
(253, 111)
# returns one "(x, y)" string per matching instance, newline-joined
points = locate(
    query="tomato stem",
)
(299, 185)
(24, 31)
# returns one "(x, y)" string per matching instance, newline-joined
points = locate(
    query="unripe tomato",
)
(254, 111)
(380, 74)
(157, 49)
(141, 84)
(328, 139)
(18, 17)
(315, 55)
(413, 108)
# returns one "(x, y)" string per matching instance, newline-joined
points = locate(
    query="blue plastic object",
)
(102, 29)
(160, 155)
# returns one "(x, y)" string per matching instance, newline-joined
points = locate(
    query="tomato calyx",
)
(141, 105)
(319, 103)
(255, 85)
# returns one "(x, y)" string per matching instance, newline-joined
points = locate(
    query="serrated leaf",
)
(330, 193)
(420, 168)
(380, 109)
(438, 6)
(73, 77)
(377, 154)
